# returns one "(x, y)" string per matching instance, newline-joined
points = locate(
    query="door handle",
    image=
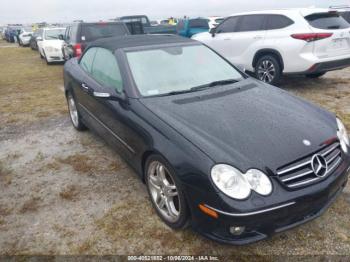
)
(258, 37)
(226, 39)
(83, 85)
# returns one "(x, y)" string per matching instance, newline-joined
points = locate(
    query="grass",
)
(29, 88)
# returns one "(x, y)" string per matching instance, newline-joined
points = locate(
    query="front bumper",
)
(262, 223)
(54, 56)
(25, 41)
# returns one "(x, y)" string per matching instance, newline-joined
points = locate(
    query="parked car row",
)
(61, 44)
(11, 32)
(267, 44)
(78, 35)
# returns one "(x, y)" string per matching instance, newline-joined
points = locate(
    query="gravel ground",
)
(55, 199)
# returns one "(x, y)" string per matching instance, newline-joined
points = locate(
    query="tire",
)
(162, 190)
(316, 75)
(47, 62)
(41, 56)
(268, 69)
(74, 113)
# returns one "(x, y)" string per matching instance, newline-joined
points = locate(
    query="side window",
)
(249, 23)
(73, 33)
(278, 22)
(106, 70)
(88, 59)
(228, 26)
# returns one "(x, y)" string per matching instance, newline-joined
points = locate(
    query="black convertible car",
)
(235, 158)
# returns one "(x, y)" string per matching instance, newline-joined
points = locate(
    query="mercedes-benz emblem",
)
(306, 142)
(319, 165)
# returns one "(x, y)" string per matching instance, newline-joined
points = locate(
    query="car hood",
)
(248, 124)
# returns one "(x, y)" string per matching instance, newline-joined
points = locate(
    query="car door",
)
(238, 35)
(248, 39)
(111, 118)
(221, 41)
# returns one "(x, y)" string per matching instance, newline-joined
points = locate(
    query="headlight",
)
(343, 136)
(237, 185)
(230, 181)
(259, 182)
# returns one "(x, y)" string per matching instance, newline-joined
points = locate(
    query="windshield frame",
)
(152, 47)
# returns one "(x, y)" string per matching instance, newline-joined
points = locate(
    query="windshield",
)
(219, 20)
(54, 33)
(199, 23)
(91, 32)
(141, 19)
(327, 21)
(181, 68)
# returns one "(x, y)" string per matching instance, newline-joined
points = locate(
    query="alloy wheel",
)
(73, 112)
(266, 71)
(163, 191)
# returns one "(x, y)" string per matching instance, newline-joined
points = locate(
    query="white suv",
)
(292, 41)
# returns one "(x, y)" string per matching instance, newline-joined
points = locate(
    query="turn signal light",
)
(208, 211)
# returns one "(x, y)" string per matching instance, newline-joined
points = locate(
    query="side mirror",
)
(121, 97)
(212, 32)
(39, 38)
(61, 37)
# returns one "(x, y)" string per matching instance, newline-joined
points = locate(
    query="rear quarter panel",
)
(294, 52)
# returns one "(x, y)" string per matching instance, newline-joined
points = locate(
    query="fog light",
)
(236, 230)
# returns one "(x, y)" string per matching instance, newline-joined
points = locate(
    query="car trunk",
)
(335, 45)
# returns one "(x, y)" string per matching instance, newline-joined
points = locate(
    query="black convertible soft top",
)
(114, 43)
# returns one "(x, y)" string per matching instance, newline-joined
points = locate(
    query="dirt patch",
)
(5, 174)
(30, 205)
(70, 192)
(80, 163)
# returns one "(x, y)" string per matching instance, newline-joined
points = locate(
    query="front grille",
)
(300, 173)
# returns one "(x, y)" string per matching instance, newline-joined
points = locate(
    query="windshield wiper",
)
(197, 88)
(215, 83)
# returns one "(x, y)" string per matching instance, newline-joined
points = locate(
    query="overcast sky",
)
(27, 11)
